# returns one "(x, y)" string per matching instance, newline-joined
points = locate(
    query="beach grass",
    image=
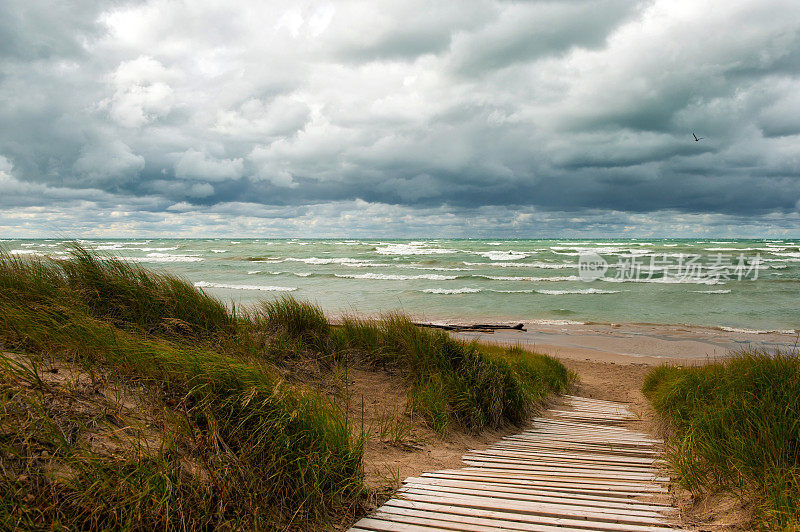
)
(454, 381)
(132, 400)
(244, 443)
(737, 426)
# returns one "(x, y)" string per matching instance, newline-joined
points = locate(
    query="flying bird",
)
(697, 139)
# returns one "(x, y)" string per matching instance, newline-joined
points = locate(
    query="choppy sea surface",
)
(748, 285)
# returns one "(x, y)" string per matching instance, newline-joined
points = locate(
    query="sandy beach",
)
(647, 344)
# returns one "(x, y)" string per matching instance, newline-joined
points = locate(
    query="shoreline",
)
(646, 344)
(634, 342)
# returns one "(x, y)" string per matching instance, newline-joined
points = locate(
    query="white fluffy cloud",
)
(108, 159)
(141, 92)
(194, 164)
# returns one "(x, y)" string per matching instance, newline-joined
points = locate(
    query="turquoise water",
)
(492, 280)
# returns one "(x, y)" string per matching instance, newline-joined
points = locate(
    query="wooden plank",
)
(440, 521)
(600, 429)
(576, 424)
(578, 398)
(556, 498)
(379, 525)
(556, 466)
(564, 456)
(569, 423)
(578, 439)
(566, 471)
(576, 459)
(578, 405)
(591, 500)
(568, 448)
(576, 486)
(541, 513)
(495, 524)
(573, 426)
(582, 429)
(585, 418)
(554, 438)
(402, 516)
(559, 431)
(615, 484)
(549, 502)
(599, 442)
(558, 463)
(588, 412)
(551, 448)
(622, 413)
(592, 413)
(512, 517)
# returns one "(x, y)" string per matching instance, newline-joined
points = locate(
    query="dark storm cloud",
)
(480, 116)
(528, 30)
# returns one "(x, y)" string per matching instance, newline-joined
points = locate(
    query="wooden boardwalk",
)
(578, 469)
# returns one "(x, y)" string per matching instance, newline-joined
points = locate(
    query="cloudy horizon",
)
(569, 118)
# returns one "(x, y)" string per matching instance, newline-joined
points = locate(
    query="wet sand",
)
(641, 343)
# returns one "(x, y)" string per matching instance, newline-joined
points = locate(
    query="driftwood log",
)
(481, 327)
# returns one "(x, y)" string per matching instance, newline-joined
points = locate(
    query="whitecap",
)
(434, 268)
(785, 254)
(412, 248)
(580, 291)
(162, 257)
(756, 331)
(503, 255)
(616, 250)
(24, 252)
(391, 277)
(465, 290)
(346, 261)
(711, 291)
(207, 284)
(531, 291)
(556, 322)
(543, 265)
(734, 249)
(520, 278)
(120, 247)
(665, 280)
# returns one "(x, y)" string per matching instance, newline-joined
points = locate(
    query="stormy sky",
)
(386, 118)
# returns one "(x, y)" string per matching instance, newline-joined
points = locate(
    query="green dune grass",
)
(737, 429)
(133, 400)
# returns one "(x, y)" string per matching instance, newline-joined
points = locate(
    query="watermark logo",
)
(591, 266)
(671, 268)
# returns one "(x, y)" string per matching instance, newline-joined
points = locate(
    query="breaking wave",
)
(207, 284)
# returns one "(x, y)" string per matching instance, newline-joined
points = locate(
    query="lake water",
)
(742, 284)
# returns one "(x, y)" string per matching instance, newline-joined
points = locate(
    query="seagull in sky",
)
(697, 139)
